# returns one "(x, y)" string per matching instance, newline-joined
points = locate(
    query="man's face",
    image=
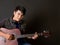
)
(18, 15)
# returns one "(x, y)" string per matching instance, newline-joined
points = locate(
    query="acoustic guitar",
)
(11, 35)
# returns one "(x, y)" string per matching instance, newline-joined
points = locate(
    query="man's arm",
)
(35, 36)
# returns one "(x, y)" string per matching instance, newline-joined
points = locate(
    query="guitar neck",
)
(28, 35)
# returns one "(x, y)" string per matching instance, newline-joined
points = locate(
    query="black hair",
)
(21, 8)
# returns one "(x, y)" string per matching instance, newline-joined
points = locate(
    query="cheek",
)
(16, 16)
(19, 16)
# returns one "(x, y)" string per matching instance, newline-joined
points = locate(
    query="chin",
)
(18, 20)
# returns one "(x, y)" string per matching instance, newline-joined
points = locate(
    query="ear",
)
(22, 16)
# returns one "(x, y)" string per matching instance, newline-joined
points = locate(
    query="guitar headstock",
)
(45, 33)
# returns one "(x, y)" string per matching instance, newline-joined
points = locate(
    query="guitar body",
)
(11, 31)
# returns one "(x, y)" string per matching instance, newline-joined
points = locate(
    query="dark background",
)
(40, 15)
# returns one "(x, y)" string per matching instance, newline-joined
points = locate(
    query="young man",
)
(16, 21)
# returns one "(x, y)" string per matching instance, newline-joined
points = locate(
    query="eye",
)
(18, 13)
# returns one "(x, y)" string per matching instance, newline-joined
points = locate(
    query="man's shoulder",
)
(5, 19)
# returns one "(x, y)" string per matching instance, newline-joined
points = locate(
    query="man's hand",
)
(35, 36)
(12, 37)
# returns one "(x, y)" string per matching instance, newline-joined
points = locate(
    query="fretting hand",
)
(35, 36)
